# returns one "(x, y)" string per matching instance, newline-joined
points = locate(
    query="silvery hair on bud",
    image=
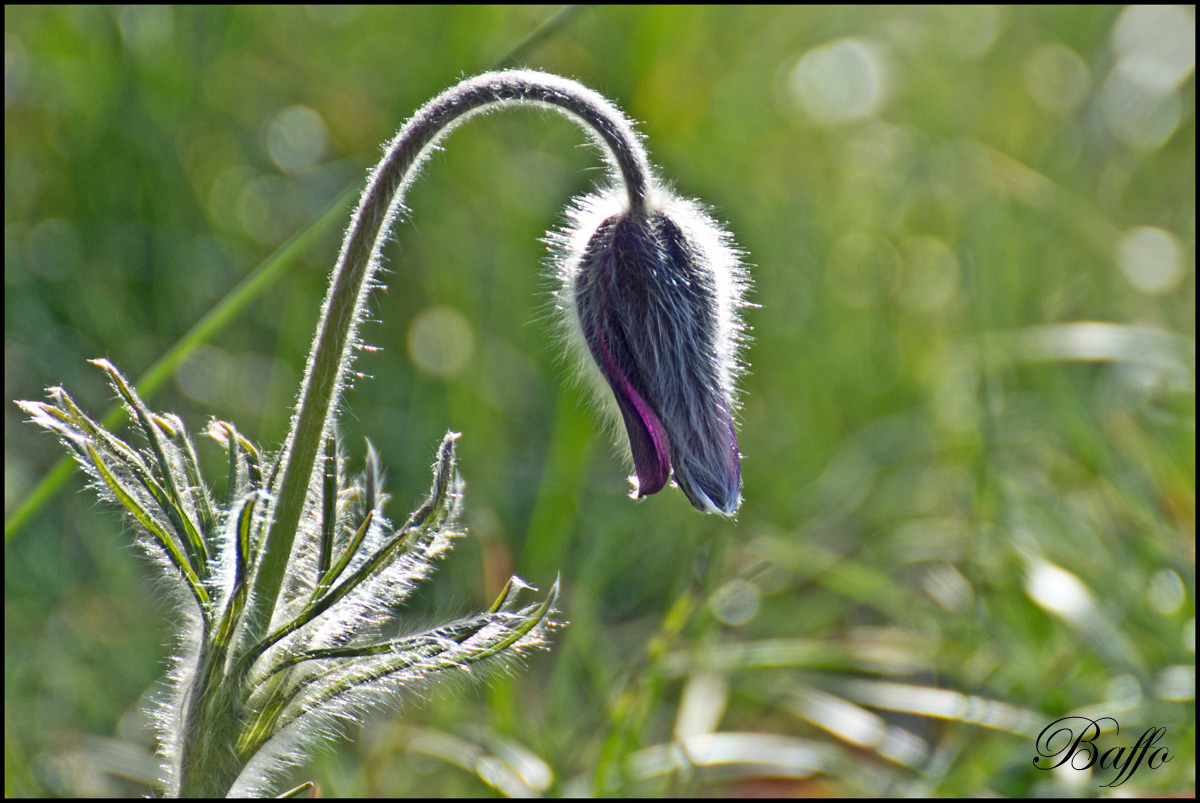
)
(650, 299)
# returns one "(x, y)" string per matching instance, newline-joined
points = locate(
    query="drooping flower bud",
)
(653, 295)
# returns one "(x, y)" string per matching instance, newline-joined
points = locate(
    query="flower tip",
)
(726, 508)
(710, 493)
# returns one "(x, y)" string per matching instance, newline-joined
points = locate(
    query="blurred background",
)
(968, 428)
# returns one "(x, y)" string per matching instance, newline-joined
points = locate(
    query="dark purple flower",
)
(655, 294)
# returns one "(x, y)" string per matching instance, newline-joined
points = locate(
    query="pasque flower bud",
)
(652, 294)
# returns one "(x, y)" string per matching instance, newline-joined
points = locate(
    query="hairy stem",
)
(333, 347)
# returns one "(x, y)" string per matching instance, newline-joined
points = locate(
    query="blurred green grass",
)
(969, 427)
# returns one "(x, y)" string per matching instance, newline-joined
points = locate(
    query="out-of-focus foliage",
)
(969, 429)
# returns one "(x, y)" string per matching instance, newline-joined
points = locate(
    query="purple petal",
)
(647, 436)
(713, 491)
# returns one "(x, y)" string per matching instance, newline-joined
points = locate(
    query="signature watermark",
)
(1072, 741)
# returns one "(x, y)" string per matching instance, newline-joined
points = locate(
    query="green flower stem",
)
(332, 350)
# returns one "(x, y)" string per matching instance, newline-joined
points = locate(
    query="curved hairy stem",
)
(383, 198)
